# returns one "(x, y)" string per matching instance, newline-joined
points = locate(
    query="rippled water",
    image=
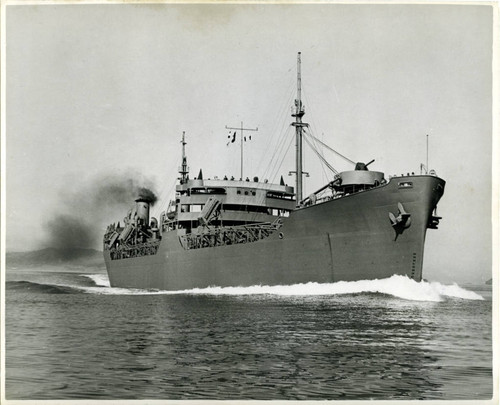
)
(71, 336)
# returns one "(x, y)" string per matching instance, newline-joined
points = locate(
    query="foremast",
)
(298, 124)
(184, 169)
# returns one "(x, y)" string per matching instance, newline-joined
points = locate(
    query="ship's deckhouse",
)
(234, 202)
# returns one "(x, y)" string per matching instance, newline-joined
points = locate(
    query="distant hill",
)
(490, 281)
(55, 257)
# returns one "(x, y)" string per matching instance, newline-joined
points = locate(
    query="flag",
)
(232, 140)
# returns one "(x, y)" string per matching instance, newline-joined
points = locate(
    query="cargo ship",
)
(236, 232)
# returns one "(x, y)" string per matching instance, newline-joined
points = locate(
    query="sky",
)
(100, 94)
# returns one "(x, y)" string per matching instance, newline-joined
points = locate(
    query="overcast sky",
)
(102, 90)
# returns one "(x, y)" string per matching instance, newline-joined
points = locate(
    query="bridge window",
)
(245, 208)
(208, 190)
(196, 207)
(281, 196)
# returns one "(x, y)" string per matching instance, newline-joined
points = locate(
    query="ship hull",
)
(345, 239)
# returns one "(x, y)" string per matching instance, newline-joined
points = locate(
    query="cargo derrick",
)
(229, 235)
(137, 237)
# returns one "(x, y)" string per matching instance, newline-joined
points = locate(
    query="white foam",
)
(397, 286)
(456, 291)
(100, 280)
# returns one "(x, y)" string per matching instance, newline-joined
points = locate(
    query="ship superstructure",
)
(235, 232)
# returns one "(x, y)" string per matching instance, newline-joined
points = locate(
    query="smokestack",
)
(142, 208)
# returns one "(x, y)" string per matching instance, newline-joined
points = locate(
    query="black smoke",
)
(147, 195)
(87, 208)
(69, 231)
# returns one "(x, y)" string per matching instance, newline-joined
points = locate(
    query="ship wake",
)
(397, 286)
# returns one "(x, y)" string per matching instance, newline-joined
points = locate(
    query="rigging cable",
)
(277, 154)
(286, 152)
(311, 113)
(163, 200)
(331, 149)
(281, 141)
(321, 157)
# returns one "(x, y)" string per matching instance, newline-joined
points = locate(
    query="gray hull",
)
(350, 238)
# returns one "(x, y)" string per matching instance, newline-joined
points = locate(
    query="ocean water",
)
(71, 336)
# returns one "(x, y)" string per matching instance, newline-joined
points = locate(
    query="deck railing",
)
(139, 250)
(224, 236)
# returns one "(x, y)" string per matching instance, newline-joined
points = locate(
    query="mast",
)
(427, 156)
(241, 143)
(241, 148)
(298, 124)
(184, 169)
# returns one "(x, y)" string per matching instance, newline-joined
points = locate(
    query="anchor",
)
(400, 222)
